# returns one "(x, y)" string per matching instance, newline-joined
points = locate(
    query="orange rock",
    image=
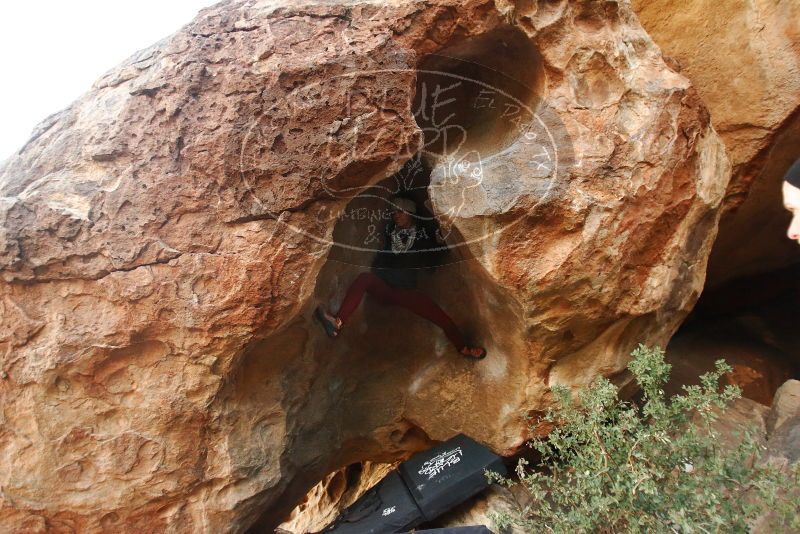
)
(165, 239)
(744, 60)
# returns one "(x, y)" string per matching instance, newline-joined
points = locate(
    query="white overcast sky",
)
(51, 51)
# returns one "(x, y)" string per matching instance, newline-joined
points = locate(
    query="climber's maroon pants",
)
(410, 299)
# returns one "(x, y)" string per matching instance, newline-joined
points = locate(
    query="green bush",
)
(655, 465)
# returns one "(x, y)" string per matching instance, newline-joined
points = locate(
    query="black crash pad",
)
(477, 529)
(385, 509)
(448, 474)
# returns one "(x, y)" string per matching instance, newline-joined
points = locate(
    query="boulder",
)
(164, 240)
(744, 59)
(783, 441)
(783, 423)
(785, 405)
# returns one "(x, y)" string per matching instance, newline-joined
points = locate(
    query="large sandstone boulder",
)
(164, 240)
(744, 60)
(783, 420)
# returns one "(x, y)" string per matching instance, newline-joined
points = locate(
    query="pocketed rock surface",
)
(744, 60)
(164, 240)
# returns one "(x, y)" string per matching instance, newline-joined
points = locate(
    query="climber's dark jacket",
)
(402, 269)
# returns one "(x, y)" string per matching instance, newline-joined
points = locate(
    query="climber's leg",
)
(422, 305)
(364, 282)
(411, 299)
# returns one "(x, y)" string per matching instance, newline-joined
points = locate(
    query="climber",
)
(791, 199)
(394, 276)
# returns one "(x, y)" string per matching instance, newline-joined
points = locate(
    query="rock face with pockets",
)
(744, 60)
(164, 240)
